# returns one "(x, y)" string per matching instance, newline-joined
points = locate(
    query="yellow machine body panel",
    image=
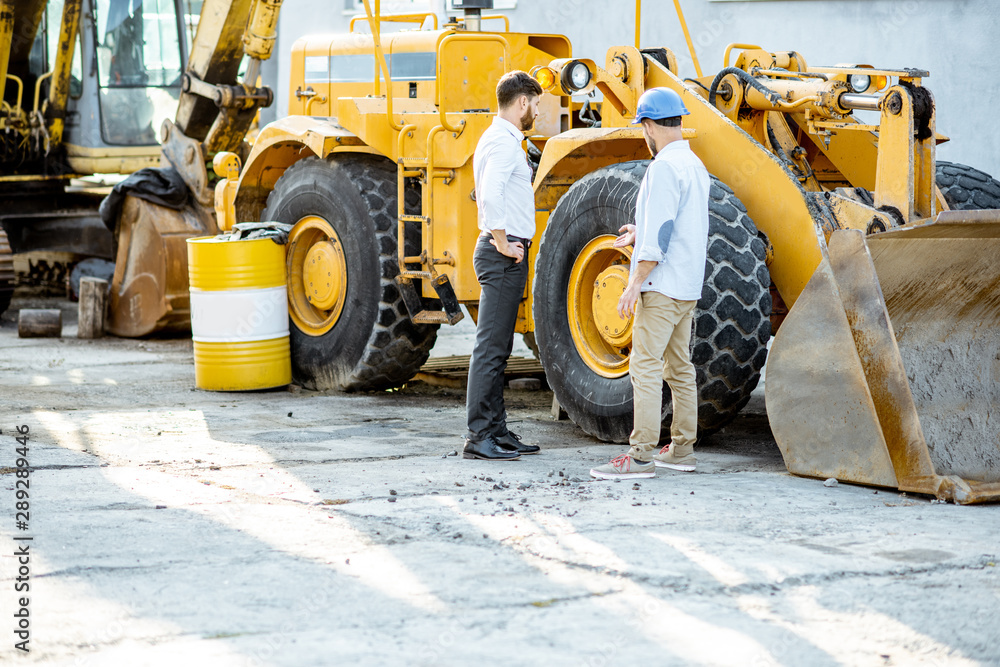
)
(438, 77)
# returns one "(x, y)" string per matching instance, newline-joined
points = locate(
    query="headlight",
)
(861, 82)
(545, 77)
(575, 76)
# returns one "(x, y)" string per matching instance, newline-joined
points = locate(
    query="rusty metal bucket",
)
(887, 369)
(149, 290)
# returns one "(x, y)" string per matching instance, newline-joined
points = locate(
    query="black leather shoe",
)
(513, 440)
(488, 448)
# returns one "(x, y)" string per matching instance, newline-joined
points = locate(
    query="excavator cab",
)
(124, 78)
(138, 54)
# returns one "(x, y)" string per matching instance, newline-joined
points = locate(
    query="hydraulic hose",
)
(788, 162)
(773, 97)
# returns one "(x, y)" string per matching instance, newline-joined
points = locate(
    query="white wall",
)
(950, 38)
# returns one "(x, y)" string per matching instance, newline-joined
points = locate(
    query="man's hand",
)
(626, 304)
(627, 237)
(514, 250)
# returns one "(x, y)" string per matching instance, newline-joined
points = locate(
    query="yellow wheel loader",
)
(831, 224)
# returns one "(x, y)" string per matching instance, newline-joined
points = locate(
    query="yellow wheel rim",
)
(596, 283)
(317, 275)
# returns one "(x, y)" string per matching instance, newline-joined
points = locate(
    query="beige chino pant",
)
(661, 336)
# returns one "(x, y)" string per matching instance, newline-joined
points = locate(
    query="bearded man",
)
(506, 205)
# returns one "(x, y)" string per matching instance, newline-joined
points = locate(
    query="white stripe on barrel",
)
(239, 316)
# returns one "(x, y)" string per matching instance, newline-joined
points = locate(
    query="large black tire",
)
(965, 188)
(374, 344)
(732, 326)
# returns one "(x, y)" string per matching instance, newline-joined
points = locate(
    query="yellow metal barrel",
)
(239, 314)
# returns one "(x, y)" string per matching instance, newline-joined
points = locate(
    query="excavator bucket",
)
(887, 369)
(149, 291)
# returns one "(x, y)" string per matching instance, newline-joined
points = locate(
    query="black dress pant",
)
(502, 281)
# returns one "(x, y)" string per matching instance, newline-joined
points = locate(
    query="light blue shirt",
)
(671, 223)
(503, 181)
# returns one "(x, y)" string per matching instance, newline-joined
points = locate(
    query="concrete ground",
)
(173, 526)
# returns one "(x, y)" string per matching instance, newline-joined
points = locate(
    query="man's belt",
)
(510, 237)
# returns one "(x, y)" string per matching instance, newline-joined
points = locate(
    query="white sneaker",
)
(679, 458)
(624, 467)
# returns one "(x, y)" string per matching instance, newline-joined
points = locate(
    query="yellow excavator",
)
(832, 226)
(84, 86)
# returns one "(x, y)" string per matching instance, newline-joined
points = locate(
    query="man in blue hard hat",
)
(670, 236)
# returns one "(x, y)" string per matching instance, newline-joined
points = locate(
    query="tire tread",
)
(966, 188)
(732, 324)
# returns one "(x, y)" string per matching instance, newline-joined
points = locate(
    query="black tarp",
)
(159, 186)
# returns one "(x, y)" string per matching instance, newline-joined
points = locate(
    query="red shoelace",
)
(622, 462)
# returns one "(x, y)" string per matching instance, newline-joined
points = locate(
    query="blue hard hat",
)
(657, 103)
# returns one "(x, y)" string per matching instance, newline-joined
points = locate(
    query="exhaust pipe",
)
(473, 18)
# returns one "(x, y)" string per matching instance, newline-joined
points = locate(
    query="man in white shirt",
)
(670, 235)
(506, 204)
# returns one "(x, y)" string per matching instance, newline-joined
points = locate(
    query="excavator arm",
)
(216, 109)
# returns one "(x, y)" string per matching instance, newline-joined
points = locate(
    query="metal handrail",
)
(736, 45)
(374, 22)
(314, 98)
(38, 87)
(427, 205)
(400, 18)
(401, 199)
(687, 36)
(20, 89)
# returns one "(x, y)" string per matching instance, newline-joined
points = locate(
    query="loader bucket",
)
(149, 291)
(887, 369)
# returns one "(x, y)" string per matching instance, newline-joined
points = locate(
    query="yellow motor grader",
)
(835, 229)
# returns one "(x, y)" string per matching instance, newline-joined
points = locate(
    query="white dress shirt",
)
(503, 181)
(671, 223)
